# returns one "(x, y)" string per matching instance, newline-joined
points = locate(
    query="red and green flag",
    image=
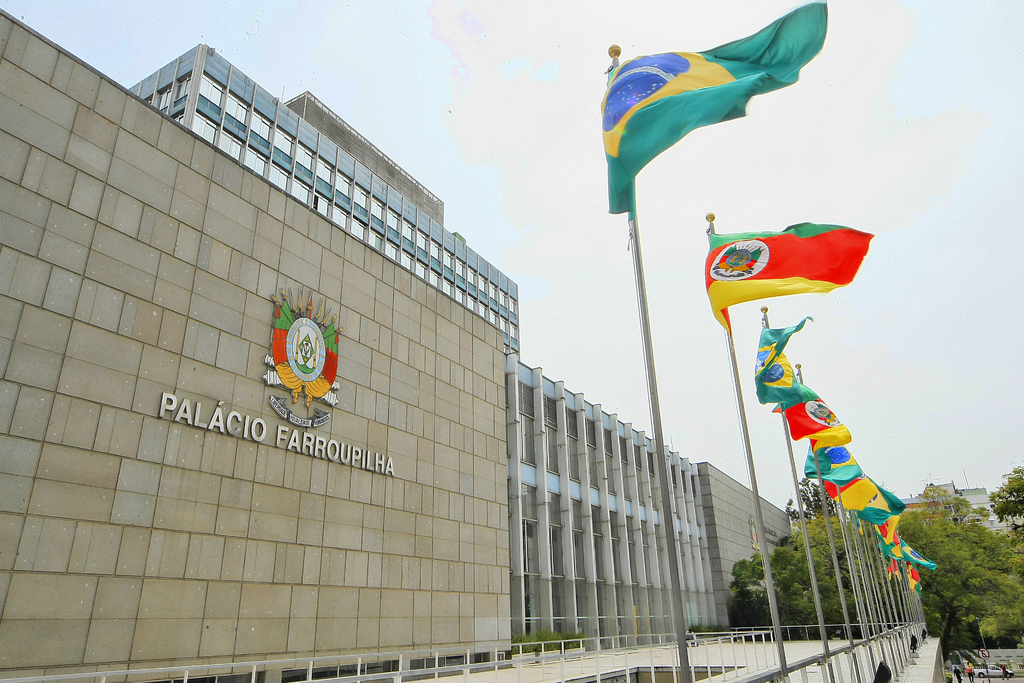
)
(887, 529)
(811, 418)
(773, 373)
(802, 258)
(652, 102)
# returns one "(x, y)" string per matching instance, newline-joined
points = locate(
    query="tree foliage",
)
(814, 499)
(974, 579)
(977, 583)
(1009, 500)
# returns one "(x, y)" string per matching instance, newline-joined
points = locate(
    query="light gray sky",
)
(907, 125)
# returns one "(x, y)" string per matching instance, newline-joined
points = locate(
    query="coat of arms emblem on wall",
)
(304, 357)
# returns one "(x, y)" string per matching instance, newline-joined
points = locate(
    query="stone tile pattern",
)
(136, 259)
(728, 515)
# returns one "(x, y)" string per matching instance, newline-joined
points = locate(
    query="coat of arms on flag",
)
(304, 357)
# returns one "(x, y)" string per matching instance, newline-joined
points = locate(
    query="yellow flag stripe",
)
(726, 294)
(702, 74)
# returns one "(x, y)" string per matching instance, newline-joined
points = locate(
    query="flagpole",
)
(851, 561)
(759, 517)
(667, 518)
(855, 580)
(807, 539)
(828, 525)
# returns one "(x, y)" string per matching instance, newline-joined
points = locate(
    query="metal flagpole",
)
(879, 609)
(874, 627)
(759, 517)
(828, 526)
(807, 539)
(851, 561)
(667, 519)
(855, 579)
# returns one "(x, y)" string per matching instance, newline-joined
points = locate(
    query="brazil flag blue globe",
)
(653, 101)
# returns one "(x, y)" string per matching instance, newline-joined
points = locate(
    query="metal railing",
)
(746, 656)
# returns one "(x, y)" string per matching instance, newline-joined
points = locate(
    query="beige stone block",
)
(110, 640)
(117, 598)
(95, 549)
(336, 634)
(261, 636)
(42, 642)
(73, 501)
(49, 596)
(10, 538)
(73, 465)
(168, 551)
(264, 601)
(131, 559)
(218, 637)
(222, 600)
(171, 599)
(166, 638)
(302, 635)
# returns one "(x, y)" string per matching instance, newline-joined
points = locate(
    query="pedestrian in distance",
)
(970, 672)
(1003, 667)
(959, 676)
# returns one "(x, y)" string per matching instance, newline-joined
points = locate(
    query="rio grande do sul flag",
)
(803, 258)
(812, 419)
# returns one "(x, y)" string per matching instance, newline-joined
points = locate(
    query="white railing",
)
(745, 656)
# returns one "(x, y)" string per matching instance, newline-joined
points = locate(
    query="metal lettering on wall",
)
(235, 424)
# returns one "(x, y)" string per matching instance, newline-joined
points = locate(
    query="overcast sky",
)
(907, 125)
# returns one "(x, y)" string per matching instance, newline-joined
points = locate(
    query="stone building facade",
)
(728, 509)
(155, 505)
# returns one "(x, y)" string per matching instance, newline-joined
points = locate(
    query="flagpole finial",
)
(710, 218)
(764, 309)
(614, 51)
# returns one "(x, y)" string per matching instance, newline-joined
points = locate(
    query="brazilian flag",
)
(653, 101)
(773, 374)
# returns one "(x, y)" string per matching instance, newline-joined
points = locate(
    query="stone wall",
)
(137, 261)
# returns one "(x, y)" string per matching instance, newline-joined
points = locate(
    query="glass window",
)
(283, 142)
(204, 127)
(304, 157)
(182, 89)
(236, 109)
(261, 127)
(278, 177)
(360, 197)
(210, 90)
(321, 205)
(230, 145)
(343, 185)
(255, 162)
(164, 99)
(377, 210)
(323, 171)
(300, 192)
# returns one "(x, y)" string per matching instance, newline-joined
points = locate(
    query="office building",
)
(256, 402)
(237, 421)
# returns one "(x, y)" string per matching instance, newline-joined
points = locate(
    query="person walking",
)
(970, 672)
(1003, 667)
(959, 676)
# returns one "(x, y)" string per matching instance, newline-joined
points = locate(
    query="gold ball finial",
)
(710, 218)
(614, 51)
(764, 309)
(798, 366)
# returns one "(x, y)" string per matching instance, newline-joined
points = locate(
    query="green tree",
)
(814, 498)
(974, 578)
(1009, 500)
(748, 605)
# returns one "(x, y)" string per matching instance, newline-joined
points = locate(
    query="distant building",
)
(979, 498)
